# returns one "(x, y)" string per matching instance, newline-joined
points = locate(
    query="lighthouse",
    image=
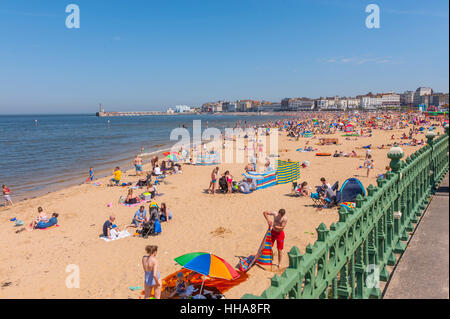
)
(100, 112)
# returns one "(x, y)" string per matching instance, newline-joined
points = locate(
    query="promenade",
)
(423, 270)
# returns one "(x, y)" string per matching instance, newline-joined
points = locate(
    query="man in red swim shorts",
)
(278, 224)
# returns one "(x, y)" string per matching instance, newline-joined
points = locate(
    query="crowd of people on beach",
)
(306, 126)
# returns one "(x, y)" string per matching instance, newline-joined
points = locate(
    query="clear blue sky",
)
(146, 54)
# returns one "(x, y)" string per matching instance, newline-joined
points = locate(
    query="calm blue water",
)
(59, 149)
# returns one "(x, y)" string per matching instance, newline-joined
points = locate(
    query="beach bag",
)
(157, 227)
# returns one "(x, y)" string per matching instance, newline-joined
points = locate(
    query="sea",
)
(43, 153)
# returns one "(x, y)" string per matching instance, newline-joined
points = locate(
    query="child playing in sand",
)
(7, 195)
(91, 175)
(117, 176)
(181, 285)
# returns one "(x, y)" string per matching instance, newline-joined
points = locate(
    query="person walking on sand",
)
(138, 165)
(277, 226)
(152, 276)
(7, 195)
(369, 164)
(214, 177)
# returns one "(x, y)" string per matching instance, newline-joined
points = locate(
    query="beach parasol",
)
(173, 156)
(207, 264)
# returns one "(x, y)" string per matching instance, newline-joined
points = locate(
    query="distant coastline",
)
(155, 113)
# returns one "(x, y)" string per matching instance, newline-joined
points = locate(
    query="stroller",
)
(152, 227)
(223, 185)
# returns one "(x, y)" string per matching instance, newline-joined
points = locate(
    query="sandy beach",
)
(33, 264)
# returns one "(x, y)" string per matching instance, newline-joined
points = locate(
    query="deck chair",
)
(294, 186)
(317, 200)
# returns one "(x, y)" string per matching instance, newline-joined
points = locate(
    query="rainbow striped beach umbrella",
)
(207, 264)
(173, 156)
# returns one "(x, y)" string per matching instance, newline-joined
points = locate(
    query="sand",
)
(33, 264)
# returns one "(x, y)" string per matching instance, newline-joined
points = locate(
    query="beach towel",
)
(348, 205)
(122, 201)
(265, 254)
(48, 227)
(116, 235)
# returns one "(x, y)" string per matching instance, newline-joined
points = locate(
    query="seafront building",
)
(422, 96)
(182, 109)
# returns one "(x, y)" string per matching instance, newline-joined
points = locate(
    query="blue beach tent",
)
(349, 190)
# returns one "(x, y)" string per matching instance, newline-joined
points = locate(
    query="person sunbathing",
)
(302, 189)
(41, 218)
(145, 181)
(131, 198)
(51, 222)
(152, 190)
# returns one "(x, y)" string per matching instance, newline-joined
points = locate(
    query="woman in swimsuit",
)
(131, 199)
(152, 276)
(212, 184)
(41, 218)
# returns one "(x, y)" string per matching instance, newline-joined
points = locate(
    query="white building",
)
(182, 109)
(229, 107)
(170, 111)
(301, 104)
(370, 102)
(390, 100)
(352, 103)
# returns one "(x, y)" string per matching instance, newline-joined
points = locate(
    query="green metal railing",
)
(336, 265)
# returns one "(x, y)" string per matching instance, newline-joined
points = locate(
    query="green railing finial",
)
(395, 154)
(322, 232)
(430, 136)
